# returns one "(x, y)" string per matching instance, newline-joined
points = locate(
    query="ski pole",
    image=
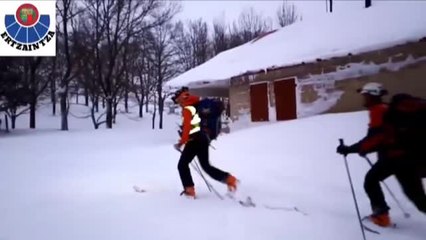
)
(406, 214)
(353, 192)
(197, 169)
(211, 188)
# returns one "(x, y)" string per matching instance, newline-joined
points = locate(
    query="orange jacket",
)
(187, 117)
(375, 135)
(377, 113)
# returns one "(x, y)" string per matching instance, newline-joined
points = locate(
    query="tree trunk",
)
(86, 97)
(103, 103)
(33, 104)
(160, 111)
(13, 120)
(115, 112)
(153, 114)
(96, 102)
(126, 100)
(160, 101)
(142, 99)
(76, 98)
(367, 3)
(92, 114)
(6, 122)
(53, 95)
(96, 124)
(108, 112)
(64, 111)
(146, 103)
(141, 110)
(153, 120)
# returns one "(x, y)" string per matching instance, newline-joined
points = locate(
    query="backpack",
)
(407, 118)
(210, 111)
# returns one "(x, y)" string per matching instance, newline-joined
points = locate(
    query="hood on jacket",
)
(190, 100)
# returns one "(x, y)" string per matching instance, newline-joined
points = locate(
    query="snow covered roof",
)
(385, 24)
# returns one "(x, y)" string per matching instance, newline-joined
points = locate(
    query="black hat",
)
(179, 92)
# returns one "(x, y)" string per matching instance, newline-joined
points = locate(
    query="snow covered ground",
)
(78, 184)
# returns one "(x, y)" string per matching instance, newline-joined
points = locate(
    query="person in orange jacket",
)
(196, 143)
(383, 168)
(394, 158)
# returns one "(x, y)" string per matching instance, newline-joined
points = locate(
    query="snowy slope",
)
(385, 24)
(78, 184)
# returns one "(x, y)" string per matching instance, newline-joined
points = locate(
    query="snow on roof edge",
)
(377, 47)
(329, 56)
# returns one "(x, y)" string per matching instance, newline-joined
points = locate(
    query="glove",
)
(178, 146)
(362, 154)
(344, 150)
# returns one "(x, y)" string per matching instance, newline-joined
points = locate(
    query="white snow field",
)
(78, 185)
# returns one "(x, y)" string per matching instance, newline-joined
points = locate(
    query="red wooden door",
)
(259, 102)
(285, 99)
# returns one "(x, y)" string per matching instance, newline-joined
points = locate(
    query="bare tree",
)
(198, 34)
(252, 24)
(142, 83)
(235, 36)
(52, 63)
(287, 14)
(220, 38)
(163, 60)
(14, 92)
(90, 31)
(67, 10)
(36, 84)
(183, 48)
(248, 26)
(120, 21)
(192, 43)
(130, 59)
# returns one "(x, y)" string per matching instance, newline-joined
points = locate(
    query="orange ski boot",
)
(189, 192)
(231, 181)
(382, 220)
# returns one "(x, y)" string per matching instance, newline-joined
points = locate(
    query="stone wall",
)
(330, 85)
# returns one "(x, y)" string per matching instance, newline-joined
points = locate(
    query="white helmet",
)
(374, 89)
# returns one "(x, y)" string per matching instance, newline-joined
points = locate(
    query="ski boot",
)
(231, 181)
(189, 192)
(381, 217)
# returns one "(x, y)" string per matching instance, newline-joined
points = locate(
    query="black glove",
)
(345, 150)
(342, 149)
(362, 154)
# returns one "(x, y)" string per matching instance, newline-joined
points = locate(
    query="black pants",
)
(198, 146)
(406, 175)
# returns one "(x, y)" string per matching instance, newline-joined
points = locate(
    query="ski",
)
(369, 229)
(248, 202)
(138, 189)
(287, 209)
